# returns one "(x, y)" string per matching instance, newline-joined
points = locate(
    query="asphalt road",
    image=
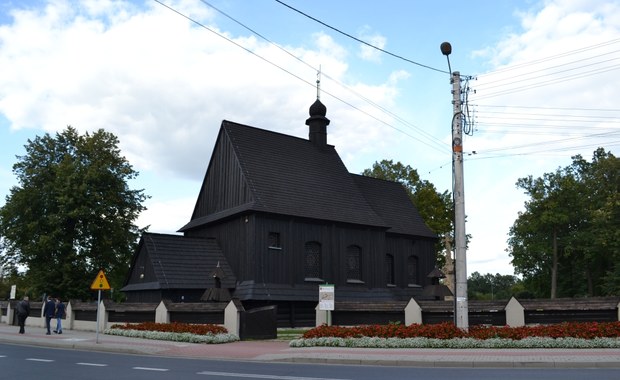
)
(30, 362)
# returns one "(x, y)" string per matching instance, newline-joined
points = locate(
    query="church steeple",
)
(317, 123)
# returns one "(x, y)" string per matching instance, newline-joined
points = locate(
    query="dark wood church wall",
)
(224, 186)
(256, 255)
(401, 248)
(232, 237)
(142, 270)
(284, 262)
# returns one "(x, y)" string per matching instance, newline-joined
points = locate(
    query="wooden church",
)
(278, 215)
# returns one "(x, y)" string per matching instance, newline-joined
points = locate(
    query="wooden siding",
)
(273, 264)
(289, 314)
(559, 316)
(224, 186)
(246, 247)
(142, 265)
(232, 236)
(286, 265)
(401, 247)
(198, 317)
(144, 296)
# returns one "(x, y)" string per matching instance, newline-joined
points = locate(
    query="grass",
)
(291, 334)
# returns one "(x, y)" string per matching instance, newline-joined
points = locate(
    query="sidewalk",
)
(279, 351)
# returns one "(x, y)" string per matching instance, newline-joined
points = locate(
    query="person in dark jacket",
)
(60, 314)
(23, 311)
(49, 311)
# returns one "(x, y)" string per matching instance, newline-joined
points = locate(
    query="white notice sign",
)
(326, 297)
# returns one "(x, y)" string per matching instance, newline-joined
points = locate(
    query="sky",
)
(162, 75)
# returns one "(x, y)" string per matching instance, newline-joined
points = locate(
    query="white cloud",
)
(159, 82)
(163, 85)
(369, 53)
(167, 216)
(562, 67)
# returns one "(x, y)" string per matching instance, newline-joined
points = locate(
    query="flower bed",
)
(181, 332)
(448, 330)
(447, 335)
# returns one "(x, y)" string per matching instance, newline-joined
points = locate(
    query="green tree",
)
(71, 214)
(434, 207)
(490, 287)
(565, 243)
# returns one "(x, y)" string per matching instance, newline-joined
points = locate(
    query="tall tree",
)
(435, 208)
(489, 286)
(72, 213)
(565, 243)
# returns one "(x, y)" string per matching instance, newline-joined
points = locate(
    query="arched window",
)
(354, 263)
(312, 267)
(412, 270)
(389, 269)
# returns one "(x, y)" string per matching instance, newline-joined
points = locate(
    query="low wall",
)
(514, 312)
(83, 315)
(495, 313)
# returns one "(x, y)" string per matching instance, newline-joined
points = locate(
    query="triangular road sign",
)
(100, 282)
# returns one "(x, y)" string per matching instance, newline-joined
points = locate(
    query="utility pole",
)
(458, 192)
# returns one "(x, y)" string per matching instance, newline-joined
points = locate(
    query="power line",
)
(428, 136)
(296, 76)
(529, 80)
(514, 78)
(546, 152)
(361, 41)
(552, 142)
(438, 143)
(555, 56)
(549, 82)
(549, 108)
(523, 116)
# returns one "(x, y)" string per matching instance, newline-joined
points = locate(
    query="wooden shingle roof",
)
(292, 176)
(391, 202)
(181, 262)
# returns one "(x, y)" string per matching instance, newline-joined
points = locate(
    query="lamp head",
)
(446, 48)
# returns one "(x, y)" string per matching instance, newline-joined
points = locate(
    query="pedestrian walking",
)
(23, 311)
(49, 311)
(60, 314)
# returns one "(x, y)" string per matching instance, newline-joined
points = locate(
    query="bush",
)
(174, 327)
(447, 330)
(179, 332)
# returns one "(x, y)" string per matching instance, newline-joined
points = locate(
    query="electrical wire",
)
(487, 85)
(361, 41)
(468, 120)
(547, 83)
(296, 76)
(441, 145)
(549, 58)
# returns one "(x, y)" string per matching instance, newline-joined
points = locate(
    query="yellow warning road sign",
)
(100, 283)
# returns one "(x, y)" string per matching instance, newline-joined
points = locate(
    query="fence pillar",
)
(515, 313)
(162, 315)
(413, 313)
(103, 316)
(232, 316)
(9, 314)
(320, 316)
(69, 317)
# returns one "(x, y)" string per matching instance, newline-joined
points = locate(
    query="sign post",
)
(326, 300)
(99, 283)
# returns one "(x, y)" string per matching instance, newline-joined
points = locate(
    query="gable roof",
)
(292, 176)
(391, 201)
(181, 262)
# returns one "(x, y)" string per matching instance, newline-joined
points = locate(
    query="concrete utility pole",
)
(460, 255)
